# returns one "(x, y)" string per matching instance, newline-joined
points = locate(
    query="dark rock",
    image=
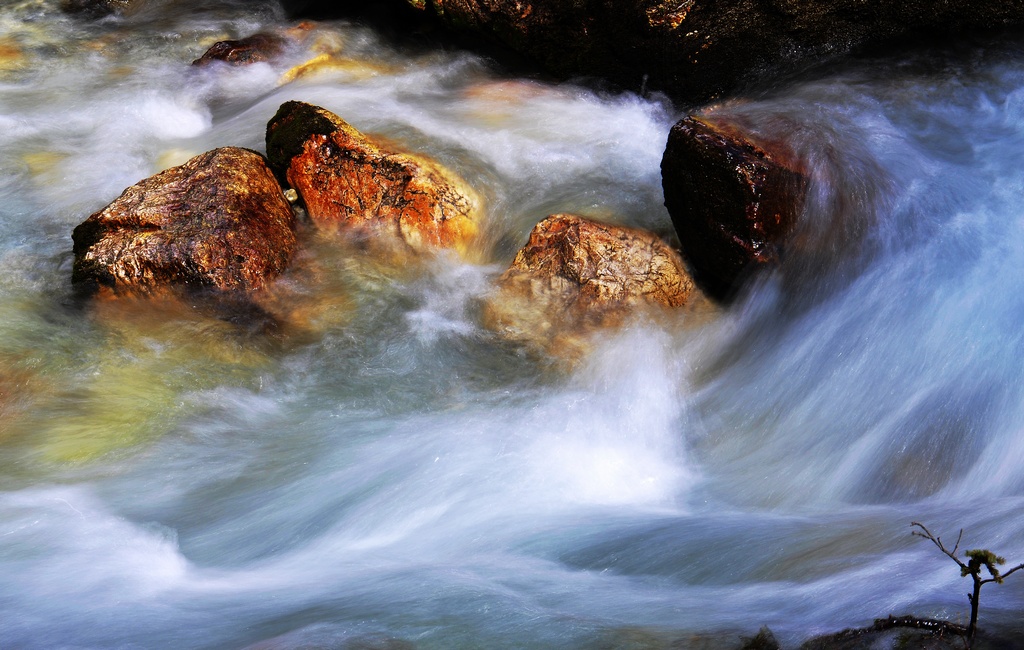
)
(395, 20)
(251, 49)
(99, 8)
(763, 640)
(901, 632)
(220, 221)
(575, 275)
(698, 50)
(349, 183)
(733, 202)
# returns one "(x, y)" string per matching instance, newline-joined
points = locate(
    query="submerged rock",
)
(732, 201)
(220, 221)
(243, 51)
(575, 275)
(156, 355)
(350, 183)
(12, 56)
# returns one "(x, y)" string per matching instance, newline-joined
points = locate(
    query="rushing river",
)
(387, 474)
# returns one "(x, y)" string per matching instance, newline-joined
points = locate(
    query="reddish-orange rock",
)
(733, 201)
(348, 182)
(575, 274)
(219, 221)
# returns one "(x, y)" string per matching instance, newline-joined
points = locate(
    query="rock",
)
(99, 8)
(905, 632)
(699, 50)
(220, 221)
(350, 183)
(763, 640)
(575, 274)
(732, 201)
(251, 49)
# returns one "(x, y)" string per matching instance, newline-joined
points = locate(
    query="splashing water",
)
(390, 475)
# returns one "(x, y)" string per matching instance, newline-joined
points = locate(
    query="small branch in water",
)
(979, 559)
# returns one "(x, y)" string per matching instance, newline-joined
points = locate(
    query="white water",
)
(394, 475)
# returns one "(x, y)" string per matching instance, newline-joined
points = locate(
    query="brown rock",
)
(98, 8)
(350, 183)
(219, 221)
(251, 49)
(575, 274)
(733, 202)
(699, 50)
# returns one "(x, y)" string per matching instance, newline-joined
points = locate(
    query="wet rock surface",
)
(696, 50)
(733, 202)
(220, 221)
(251, 49)
(350, 183)
(100, 8)
(575, 274)
(904, 632)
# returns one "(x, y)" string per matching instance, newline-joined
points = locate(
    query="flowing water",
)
(382, 472)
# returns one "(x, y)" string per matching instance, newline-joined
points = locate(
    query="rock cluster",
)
(221, 223)
(221, 220)
(733, 199)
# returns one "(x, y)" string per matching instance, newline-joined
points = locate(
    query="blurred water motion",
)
(379, 471)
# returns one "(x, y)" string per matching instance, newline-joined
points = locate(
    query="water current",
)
(389, 474)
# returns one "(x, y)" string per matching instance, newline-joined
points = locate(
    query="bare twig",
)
(927, 534)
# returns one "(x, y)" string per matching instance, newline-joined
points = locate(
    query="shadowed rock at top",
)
(698, 50)
(220, 221)
(350, 183)
(575, 275)
(732, 201)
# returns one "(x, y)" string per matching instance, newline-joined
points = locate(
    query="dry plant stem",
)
(972, 569)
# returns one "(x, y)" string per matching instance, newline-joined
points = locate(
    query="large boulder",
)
(733, 201)
(575, 275)
(350, 183)
(697, 50)
(220, 221)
